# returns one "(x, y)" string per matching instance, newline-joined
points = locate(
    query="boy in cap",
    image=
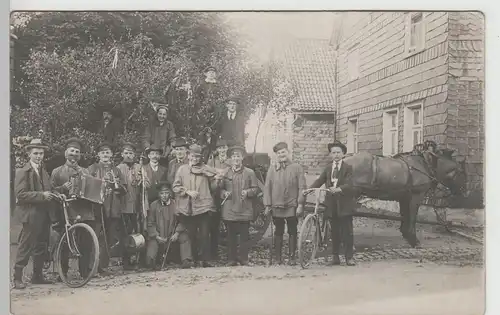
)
(109, 214)
(219, 160)
(238, 188)
(154, 172)
(159, 133)
(34, 200)
(131, 171)
(341, 203)
(283, 196)
(180, 148)
(193, 187)
(163, 227)
(61, 182)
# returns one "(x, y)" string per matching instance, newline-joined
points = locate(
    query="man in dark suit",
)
(111, 125)
(231, 126)
(340, 204)
(33, 198)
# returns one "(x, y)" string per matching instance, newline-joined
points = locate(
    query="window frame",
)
(353, 63)
(388, 131)
(410, 127)
(352, 135)
(420, 46)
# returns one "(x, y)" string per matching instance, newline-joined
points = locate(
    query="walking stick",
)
(272, 241)
(168, 246)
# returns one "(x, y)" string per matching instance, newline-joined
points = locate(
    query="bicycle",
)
(320, 228)
(74, 233)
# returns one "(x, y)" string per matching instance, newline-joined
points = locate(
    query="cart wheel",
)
(83, 247)
(308, 240)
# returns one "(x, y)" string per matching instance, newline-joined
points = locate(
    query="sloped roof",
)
(310, 66)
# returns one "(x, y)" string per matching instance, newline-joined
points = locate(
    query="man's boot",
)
(292, 247)
(38, 277)
(277, 249)
(18, 279)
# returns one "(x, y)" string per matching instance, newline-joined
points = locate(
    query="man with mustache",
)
(193, 188)
(220, 161)
(131, 171)
(109, 214)
(283, 196)
(180, 147)
(34, 200)
(61, 182)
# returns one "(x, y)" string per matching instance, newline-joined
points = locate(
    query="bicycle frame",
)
(73, 249)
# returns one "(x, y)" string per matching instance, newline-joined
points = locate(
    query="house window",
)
(413, 126)
(415, 36)
(352, 136)
(390, 133)
(353, 63)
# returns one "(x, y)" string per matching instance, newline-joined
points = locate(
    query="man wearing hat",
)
(231, 123)
(61, 182)
(238, 188)
(180, 148)
(283, 196)
(193, 187)
(34, 200)
(218, 160)
(109, 214)
(341, 203)
(163, 227)
(110, 125)
(154, 172)
(131, 171)
(159, 133)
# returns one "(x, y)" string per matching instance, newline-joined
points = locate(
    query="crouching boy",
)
(238, 188)
(163, 228)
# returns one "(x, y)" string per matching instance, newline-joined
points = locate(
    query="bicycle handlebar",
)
(310, 190)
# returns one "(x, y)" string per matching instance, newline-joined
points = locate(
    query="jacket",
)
(152, 180)
(284, 186)
(161, 136)
(162, 220)
(173, 167)
(130, 200)
(234, 208)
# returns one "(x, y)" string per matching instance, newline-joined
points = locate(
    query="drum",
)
(88, 187)
(135, 242)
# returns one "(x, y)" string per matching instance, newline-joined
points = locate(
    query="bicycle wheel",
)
(308, 240)
(77, 262)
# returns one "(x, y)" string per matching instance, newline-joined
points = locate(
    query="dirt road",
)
(386, 287)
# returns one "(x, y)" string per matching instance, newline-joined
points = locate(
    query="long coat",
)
(234, 208)
(58, 178)
(159, 135)
(131, 174)
(232, 130)
(29, 188)
(346, 199)
(113, 200)
(111, 130)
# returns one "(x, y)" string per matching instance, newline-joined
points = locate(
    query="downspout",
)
(336, 88)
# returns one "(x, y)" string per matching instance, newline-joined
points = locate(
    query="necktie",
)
(335, 172)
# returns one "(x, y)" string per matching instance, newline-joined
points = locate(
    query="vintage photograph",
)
(247, 162)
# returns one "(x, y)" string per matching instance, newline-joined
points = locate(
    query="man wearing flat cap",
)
(193, 187)
(340, 203)
(34, 200)
(231, 123)
(283, 196)
(238, 189)
(131, 171)
(159, 133)
(61, 182)
(109, 214)
(180, 148)
(218, 160)
(154, 172)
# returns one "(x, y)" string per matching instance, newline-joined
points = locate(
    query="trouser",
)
(109, 239)
(198, 228)
(342, 233)
(291, 224)
(214, 234)
(84, 244)
(235, 228)
(182, 247)
(129, 226)
(33, 241)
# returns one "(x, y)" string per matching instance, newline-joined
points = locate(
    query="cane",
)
(168, 246)
(272, 241)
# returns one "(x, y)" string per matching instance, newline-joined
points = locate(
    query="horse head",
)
(450, 171)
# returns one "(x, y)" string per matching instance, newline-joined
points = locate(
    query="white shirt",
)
(154, 167)
(231, 116)
(339, 165)
(36, 167)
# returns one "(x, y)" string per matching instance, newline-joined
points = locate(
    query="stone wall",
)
(311, 135)
(465, 131)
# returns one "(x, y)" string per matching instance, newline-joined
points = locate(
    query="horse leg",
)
(404, 206)
(414, 204)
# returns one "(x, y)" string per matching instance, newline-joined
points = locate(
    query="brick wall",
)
(311, 135)
(465, 131)
(390, 77)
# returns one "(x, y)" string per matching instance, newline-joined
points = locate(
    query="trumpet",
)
(114, 179)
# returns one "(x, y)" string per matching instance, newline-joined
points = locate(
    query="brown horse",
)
(407, 178)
